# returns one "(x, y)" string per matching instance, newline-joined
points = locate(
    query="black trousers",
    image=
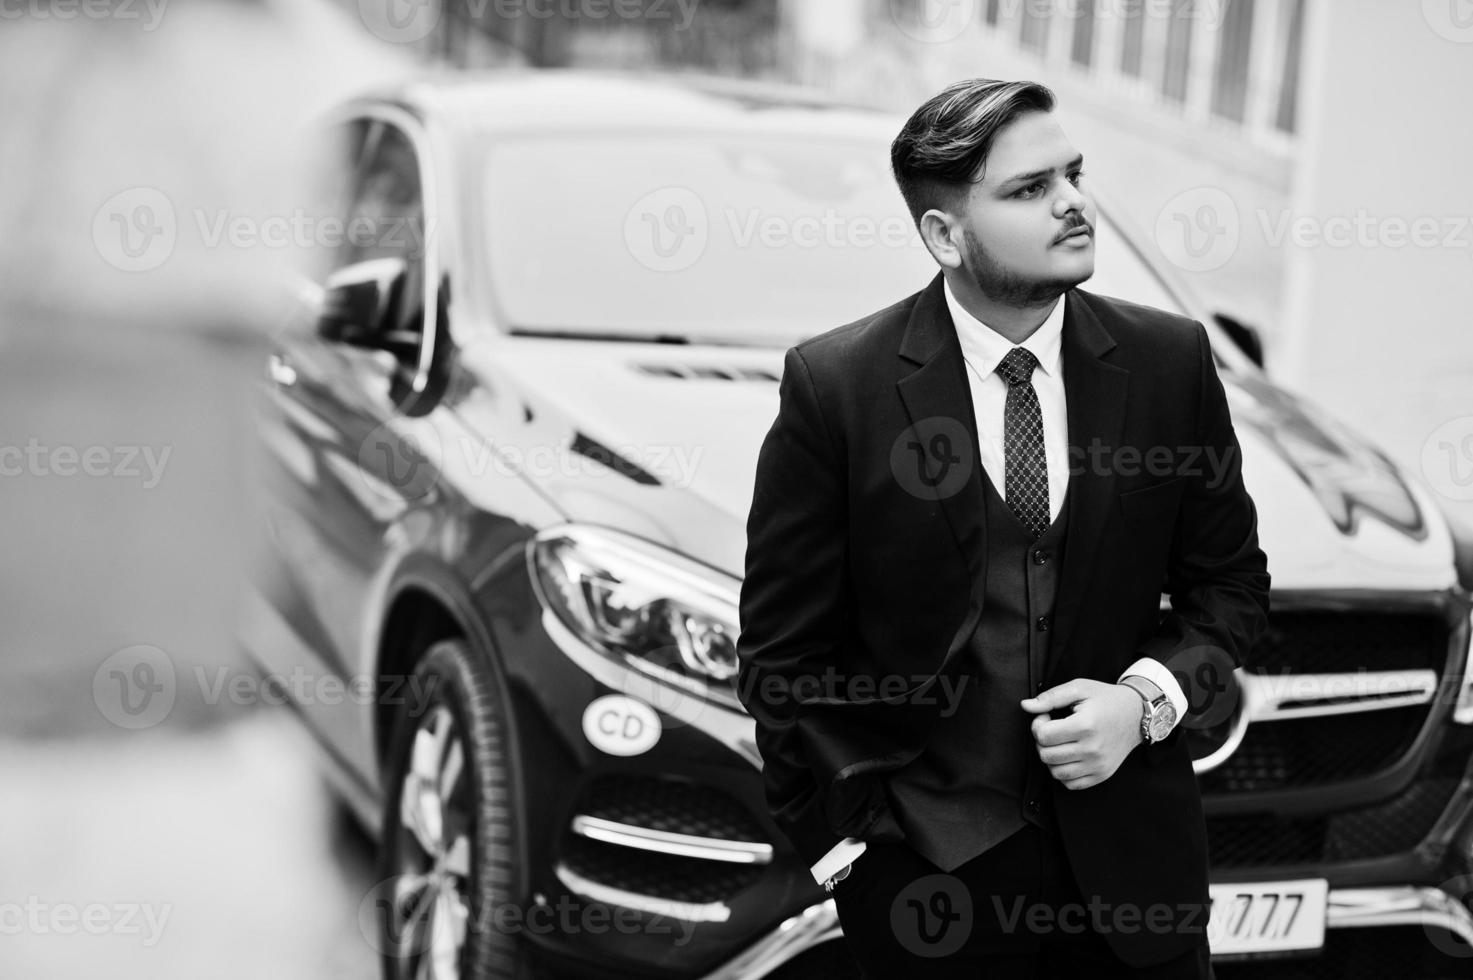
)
(1012, 912)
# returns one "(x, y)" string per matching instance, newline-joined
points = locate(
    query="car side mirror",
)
(1246, 337)
(359, 301)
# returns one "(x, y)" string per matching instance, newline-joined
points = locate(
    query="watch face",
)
(1162, 720)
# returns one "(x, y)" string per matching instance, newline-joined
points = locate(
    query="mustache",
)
(1075, 226)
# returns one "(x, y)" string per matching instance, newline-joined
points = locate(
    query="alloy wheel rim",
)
(431, 892)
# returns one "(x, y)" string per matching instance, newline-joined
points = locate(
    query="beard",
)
(1006, 286)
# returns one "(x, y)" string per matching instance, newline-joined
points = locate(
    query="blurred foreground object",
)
(157, 208)
(148, 152)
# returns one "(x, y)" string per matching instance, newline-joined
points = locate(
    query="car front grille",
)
(1324, 642)
(1313, 752)
(1303, 752)
(1387, 828)
(657, 876)
(633, 835)
(1303, 756)
(670, 805)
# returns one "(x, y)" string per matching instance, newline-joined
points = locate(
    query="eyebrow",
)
(1036, 174)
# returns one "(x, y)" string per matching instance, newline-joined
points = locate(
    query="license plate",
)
(1267, 916)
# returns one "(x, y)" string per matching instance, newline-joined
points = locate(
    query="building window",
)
(1133, 32)
(1034, 31)
(1230, 76)
(1082, 49)
(1178, 51)
(1284, 118)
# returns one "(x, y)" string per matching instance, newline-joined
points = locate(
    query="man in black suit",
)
(968, 694)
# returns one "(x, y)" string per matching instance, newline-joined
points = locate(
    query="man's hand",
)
(1087, 747)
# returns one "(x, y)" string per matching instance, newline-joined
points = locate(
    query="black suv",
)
(513, 436)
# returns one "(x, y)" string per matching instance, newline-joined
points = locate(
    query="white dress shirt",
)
(983, 349)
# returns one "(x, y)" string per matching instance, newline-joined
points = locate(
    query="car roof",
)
(564, 101)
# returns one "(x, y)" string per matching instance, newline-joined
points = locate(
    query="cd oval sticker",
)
(620, 725)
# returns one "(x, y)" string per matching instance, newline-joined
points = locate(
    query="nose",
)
(1070, 198)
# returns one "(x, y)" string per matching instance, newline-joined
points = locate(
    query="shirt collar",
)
(984, 348)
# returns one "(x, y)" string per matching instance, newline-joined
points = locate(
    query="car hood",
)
(662, 440)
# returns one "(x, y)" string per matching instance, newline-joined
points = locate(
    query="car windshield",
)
(714, 238)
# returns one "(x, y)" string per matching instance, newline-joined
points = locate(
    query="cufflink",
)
(843, 873)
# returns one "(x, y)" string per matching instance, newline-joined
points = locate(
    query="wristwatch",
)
(1158, 714)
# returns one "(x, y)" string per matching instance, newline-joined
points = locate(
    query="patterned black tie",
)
(1026, 474)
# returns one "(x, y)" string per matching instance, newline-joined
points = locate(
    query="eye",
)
(1028, 191)
(1076, 177)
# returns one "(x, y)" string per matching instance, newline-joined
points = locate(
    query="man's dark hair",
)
(942, 147)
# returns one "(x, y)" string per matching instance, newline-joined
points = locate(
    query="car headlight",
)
(656, 610)
(1463, 710)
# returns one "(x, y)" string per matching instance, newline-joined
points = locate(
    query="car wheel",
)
(447, 859)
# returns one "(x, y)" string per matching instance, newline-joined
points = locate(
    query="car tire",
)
(447, 860)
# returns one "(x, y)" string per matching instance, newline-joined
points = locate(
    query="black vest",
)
(979, 779)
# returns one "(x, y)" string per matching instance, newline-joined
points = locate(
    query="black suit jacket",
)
(864, 580)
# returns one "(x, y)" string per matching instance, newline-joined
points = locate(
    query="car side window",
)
(385, 217)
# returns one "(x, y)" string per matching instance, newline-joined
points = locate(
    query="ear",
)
(942, 236)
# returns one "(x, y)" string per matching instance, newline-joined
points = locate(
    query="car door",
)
(350, 466)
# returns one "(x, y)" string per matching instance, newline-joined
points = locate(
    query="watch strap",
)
(1152, 697)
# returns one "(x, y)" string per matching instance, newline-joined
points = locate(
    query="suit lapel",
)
(1096, 392)
(938, 391)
